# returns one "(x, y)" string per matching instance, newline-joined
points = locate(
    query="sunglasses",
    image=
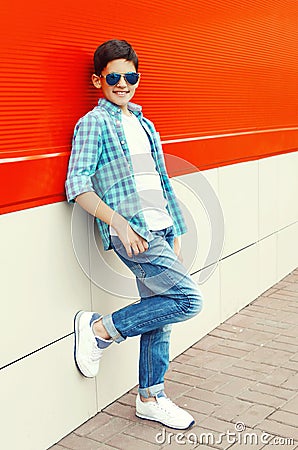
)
(114, 78)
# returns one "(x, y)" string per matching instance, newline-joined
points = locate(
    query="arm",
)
(94, 205)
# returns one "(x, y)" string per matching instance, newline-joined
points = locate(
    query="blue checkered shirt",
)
(100, 161)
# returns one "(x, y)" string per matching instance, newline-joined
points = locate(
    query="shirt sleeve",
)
(84, 157)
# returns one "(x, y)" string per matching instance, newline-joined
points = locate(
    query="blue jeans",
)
(167, 295)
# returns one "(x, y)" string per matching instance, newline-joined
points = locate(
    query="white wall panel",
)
(267, 266)
(287, 250)
(268, 194)
(43, 397)
(238, 194)
(198, 195)
(287, 201)
(239, 280)
(42, 284)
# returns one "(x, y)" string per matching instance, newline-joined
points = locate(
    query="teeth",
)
(120, 93)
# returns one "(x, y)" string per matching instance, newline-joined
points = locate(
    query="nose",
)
(122, 82)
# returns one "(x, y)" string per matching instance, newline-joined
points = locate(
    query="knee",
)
(194, 304)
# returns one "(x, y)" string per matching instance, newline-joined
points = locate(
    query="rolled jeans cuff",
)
(151, 391)
(107, 322)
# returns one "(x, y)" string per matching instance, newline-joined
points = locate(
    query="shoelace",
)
(96, 353)
(167, 405)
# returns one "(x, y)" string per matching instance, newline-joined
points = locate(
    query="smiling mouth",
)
(121, 93)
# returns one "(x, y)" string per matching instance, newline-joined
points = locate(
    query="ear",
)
(96, 81)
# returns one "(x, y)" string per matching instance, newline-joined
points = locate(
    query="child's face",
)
(122, 92)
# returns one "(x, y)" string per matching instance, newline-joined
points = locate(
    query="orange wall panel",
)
(219, 79)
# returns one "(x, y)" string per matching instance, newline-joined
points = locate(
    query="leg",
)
(154, 360)
(168, 294)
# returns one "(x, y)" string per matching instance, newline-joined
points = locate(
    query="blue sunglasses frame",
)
(114, 77)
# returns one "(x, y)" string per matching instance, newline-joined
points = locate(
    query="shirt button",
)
(117, 122)
(122, 142)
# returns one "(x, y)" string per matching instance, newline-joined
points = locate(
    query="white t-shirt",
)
(147, 179)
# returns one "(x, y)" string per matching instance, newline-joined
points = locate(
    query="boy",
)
(117, 173)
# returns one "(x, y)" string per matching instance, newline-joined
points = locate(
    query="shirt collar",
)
(113, 109)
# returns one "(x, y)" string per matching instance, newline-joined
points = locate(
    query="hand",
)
(132, 241)
(177, 248)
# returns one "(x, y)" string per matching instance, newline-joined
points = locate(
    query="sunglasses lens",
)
(113, 78)
(132, 77)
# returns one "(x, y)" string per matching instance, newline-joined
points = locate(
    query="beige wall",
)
(42, 286)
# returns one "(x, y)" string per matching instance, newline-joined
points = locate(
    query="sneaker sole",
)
(76, 341)
(162, 423)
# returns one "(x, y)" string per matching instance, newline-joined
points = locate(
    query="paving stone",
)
(292, 382)
(279, 392)
(229, 351)
(193, 404)
(247, 374)
(125, 442)
(269, 291)
(211, 397)
(222, 333)
(278, 376)
(279, 429)
(128, 399)
(207, 342)
(291, 287)
(260, 398)
(232, 409)
(291, 365)
(235, 386)
(75, 442)
(280, 294)
(174, 390)
(239, 345)
(255, 337)
(114, 426)
(211, 438)
(202, 358)
(191, 370)
(214, 424)
(92, 424)
(144, 432)
(295, 357)
(219, 362)
(285, 346)
(267, 355)
(292, 405)
(254, 415)
(217, 381)
(256, 366)
(184, 378)
(119, 410)
(284, 417)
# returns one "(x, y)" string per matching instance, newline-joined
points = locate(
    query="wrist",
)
(118, 221)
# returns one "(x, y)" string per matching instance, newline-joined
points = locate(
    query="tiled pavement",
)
(242, 374)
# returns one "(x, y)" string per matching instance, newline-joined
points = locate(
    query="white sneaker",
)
(86, 352)
(165, 412)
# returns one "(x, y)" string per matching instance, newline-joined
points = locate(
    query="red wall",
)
(209, 68)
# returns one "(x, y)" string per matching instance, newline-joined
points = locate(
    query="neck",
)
(126, 112)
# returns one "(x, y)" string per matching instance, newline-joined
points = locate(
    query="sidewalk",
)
(243, 374)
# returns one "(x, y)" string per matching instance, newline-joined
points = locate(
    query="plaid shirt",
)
(100, 161)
